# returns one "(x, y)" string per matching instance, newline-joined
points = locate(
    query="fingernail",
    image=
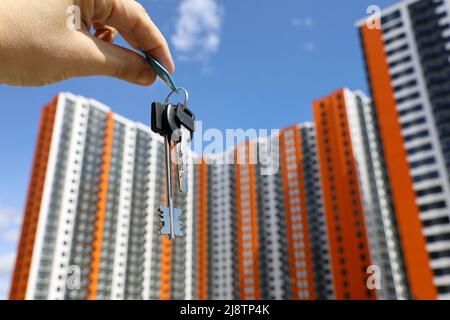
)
(146, 77)
(167, 64)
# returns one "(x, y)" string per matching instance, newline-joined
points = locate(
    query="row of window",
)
(427, 176)
(421, 148)
(406, 85)
(353, 191)
(414, 122)
(417, 135)
(409, 97)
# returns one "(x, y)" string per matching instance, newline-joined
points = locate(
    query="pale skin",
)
(38, 48)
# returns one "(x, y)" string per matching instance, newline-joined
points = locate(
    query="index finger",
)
(131, 19)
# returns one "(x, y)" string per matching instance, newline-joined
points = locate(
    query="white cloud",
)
(6, 264)
(12, 235)
(307, 22)
(309, 46)
(197, 32)
(6, 268)
(8, 217)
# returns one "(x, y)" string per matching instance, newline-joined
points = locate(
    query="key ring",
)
(178, 89)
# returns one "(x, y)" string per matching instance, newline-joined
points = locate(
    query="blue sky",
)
(256, 64)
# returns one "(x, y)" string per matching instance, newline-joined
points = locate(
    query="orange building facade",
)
(89, 229)
(410, 93)
(33, 204)
(312, 229)
(295, 204)
(404, 198)
(344, 212)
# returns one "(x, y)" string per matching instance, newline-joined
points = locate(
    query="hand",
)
(38, 46)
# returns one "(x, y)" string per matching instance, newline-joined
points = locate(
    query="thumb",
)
(103, 58)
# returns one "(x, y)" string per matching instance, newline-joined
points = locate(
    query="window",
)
(442, 272)
(397, 50)
(440, 237)
(421, 148)
(389, 17)
(417, 135)
(432, 206)
(424, 162)
(396, 38)
(436, 222)
(412, 96)
(426, 176)
(406, 85)
(440, 254)
(402, 73)
(395, 26)
(414, 122)
(425, 192)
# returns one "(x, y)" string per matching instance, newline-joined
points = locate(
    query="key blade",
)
(164, 215)
(186, 137)
(181, 170)
(183, 178)
(178, 223)
(181, 151)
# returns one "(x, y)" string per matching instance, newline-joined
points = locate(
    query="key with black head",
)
(163, 116)
(176, 123)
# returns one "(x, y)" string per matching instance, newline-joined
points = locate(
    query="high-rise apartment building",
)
(357, 201)
(308, 228)
(267, 231)
(381, 223)
(90, 229)
(357, 205)
(408, 67)
(342, 198)
(307, 239)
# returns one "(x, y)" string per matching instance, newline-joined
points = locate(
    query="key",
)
(185, 119)
(170, 217)
(166, 122)
(181, 161)
(165, 221)
(176, 124)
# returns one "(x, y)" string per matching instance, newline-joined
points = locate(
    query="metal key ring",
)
(186, 96)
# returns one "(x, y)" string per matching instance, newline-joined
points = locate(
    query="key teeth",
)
(180, 153)
(164, 220)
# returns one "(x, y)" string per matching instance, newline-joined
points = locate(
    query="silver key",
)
(165, 221)
(181, 159)
(170, 217)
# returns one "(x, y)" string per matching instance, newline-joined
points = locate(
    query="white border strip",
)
(46, 197)
(150, 232)
(124, 214)
(64, 236)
